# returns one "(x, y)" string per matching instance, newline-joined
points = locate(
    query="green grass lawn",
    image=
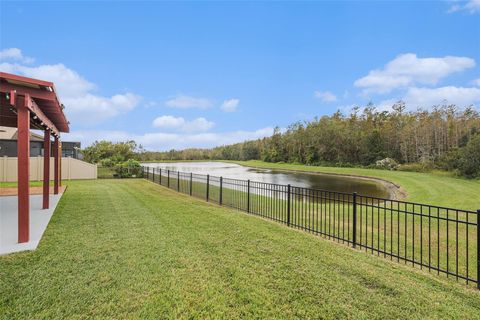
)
(14, 184)
(132, 249)
(437, 188)
(423, 239)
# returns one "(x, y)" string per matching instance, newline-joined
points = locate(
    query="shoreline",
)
(396, 191)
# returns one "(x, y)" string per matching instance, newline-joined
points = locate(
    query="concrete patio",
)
(39, 219)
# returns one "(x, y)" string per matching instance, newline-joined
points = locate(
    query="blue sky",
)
(199, 74)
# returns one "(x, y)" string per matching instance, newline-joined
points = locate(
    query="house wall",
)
(69, 149)
(71, 169)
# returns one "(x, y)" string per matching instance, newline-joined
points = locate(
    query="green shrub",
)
(386, 164)
(107, 163)
(450, 160)
(128, 169)
(469, 162)
(425, 166)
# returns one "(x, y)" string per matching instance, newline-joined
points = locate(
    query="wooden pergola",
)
(27, 103)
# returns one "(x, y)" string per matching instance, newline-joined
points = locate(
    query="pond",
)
(307, 180)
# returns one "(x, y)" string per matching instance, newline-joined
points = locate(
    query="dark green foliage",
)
(107, 163)
(425, 166)
(469, 160)
(100, 151)
(128, 169)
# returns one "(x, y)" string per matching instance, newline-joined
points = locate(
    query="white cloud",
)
(180, 124)
(470, 6)
(199, 124)
(162, 141)
(476, 82)
(386, 105)
(186, 102)
(168, 122)
(325, 96)
(94, 109)
(427, 97)
(67, 81)
(230, 105)
(77, 93)
(408, 70)
(14, 54)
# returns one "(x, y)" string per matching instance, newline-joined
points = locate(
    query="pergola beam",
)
(41, 119)
(33, 107)
(33, 92)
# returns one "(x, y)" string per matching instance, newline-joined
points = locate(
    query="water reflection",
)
(306, 180)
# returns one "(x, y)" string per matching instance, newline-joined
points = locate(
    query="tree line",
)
(444, 137)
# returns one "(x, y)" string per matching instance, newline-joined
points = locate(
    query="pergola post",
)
(60, 163)
(46, 169)
(56, 166)
(23, 156)
(31, 103)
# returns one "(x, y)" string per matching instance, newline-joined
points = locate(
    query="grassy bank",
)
(439, 188)
(130, 248)
(413, 237)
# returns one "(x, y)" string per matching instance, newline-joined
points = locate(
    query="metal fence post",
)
(191, 182)
(288, 205)
(208, 186)
(221, 191)
(478, 249)
(178, 181)
(168, 178)
(354, 233)
(160, 180)
(248, 195)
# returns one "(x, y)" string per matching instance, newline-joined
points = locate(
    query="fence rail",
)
(442, 240)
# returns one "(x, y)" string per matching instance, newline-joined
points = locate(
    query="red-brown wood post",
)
(60, 162)
(23, 158)
(56, 166)
(46, 169)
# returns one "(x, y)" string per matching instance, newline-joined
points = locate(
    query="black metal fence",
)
(442, 240)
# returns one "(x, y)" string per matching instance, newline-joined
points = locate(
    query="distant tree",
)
(115, 152)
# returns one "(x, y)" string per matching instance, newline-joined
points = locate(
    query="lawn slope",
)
(133, 249)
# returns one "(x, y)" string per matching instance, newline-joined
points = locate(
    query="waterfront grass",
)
(133, 249)
(427, 237)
